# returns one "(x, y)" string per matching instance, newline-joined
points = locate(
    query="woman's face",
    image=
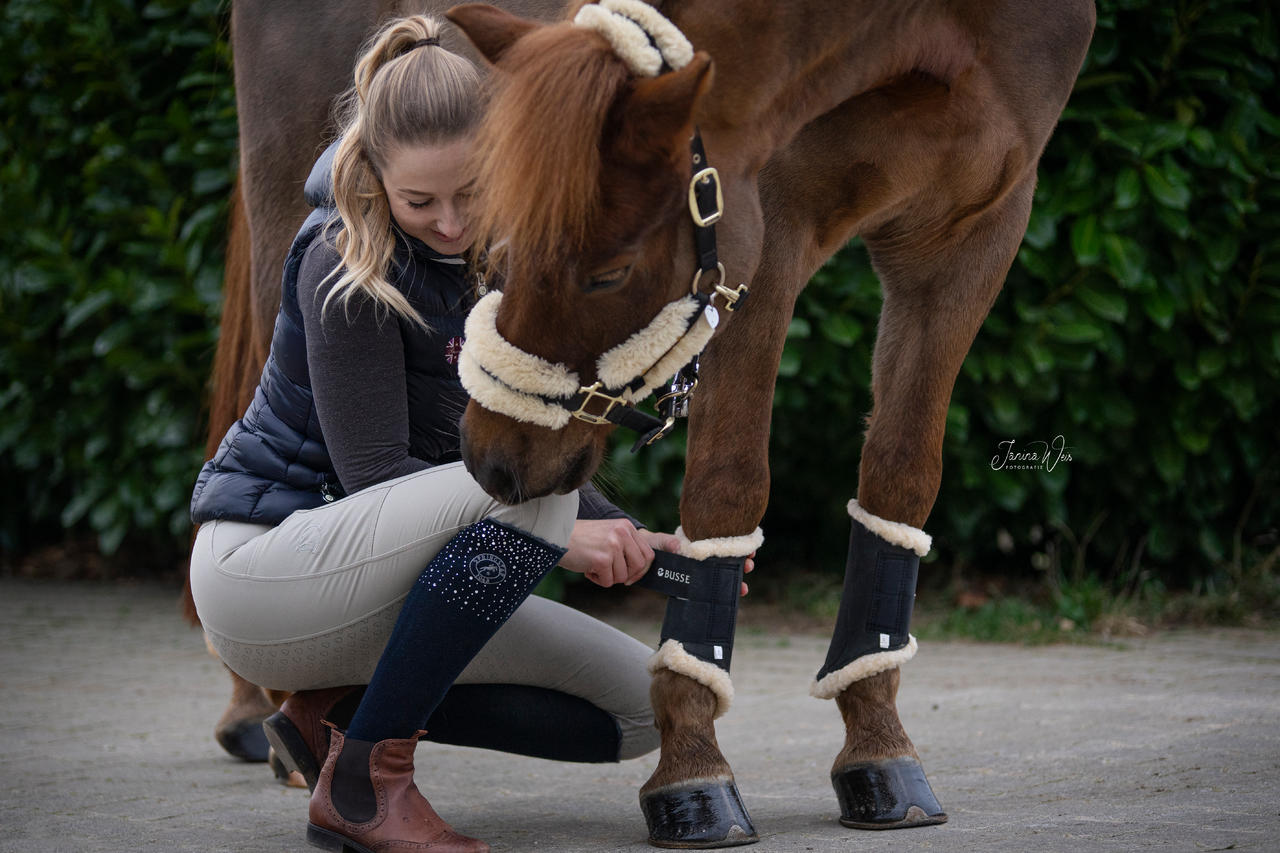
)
(428, 193)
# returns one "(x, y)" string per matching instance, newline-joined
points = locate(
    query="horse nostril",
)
(495, 476)
(503, 483)
(577, 471)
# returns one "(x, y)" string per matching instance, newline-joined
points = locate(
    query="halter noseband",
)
(505, 379)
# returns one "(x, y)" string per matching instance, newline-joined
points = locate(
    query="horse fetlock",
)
(873, 730)
(684, 713)
(680, 703)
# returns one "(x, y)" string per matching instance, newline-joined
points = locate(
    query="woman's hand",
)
(612, 550)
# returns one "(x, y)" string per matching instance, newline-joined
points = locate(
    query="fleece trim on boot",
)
(893, 532)
(671, 655)
(725, 546)
(834, 683)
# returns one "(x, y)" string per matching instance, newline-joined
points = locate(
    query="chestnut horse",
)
(917, 126)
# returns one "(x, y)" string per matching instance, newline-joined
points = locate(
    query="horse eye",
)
(609, 279)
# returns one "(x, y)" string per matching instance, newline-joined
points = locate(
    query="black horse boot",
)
(872, 635)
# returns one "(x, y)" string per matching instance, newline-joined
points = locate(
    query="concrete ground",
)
(107, 701)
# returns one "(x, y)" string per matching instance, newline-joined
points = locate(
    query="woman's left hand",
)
(613, 550)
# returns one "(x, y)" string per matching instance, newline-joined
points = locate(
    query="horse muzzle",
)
(515, 462)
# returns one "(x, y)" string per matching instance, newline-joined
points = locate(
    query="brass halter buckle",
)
(593, 392)
(704, 177)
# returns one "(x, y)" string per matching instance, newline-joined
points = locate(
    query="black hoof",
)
(244, 740)
(890, 794)
(697, 815)
(291, 751)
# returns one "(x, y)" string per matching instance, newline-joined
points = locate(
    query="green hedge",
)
(1141, 321)
(116, 159)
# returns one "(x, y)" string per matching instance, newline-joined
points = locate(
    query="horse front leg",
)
(691, 800)
(239, 729)
(938, 289)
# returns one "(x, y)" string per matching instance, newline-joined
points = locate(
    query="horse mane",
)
(537, 160)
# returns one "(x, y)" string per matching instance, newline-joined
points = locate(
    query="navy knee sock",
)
(518, 718)
(467, 591)
(525, 720)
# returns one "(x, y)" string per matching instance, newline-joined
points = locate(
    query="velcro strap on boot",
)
(872, 632)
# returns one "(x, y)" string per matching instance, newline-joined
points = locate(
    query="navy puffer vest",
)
(273, 460)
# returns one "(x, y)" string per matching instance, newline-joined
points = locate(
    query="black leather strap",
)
(704, 194)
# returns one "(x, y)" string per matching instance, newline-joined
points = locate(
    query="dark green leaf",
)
(1086, 242)
(1165, 191)
(1107, 304)
(1077, 333)
(1128, 189)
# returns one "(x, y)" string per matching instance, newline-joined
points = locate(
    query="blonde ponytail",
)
(407, 91)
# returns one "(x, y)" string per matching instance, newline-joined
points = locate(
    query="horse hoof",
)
(244, 739)
(289, 749)
(701, 814)
(890, 794)
(283, 775)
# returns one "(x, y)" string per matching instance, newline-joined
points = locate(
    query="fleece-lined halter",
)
(505, 379)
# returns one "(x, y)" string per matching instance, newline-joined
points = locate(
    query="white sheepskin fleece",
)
(516, 368)
(639, 352)
(694, 342)
(727, 546)
(671, 655)
(834, 683)
(497, 397)
(893, 532)
(627, 25)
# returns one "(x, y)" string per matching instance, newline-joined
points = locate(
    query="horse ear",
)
(664, 105)
(490, 29)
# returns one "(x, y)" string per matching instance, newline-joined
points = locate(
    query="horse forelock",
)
(537, 160)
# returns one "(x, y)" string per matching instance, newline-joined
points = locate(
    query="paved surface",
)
(107, 701)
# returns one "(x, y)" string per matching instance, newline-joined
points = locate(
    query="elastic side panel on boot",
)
(352, 791)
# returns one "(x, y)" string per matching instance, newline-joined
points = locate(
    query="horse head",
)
(583, 172)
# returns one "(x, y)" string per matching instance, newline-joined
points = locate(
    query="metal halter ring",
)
(697, 277)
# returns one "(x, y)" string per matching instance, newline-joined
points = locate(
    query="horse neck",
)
(780, 65)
